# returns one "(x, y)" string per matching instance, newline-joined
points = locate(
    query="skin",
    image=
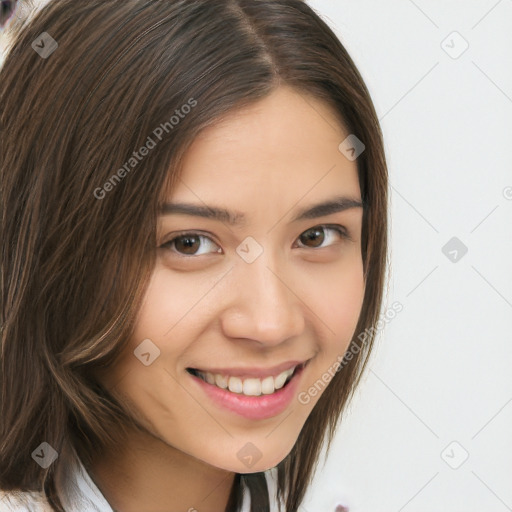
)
(298, 300)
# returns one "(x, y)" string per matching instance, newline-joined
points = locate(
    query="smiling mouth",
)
(251, 386)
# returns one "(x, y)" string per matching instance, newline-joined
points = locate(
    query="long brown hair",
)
(73, 267)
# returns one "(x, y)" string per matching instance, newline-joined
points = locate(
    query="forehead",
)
(278, 150)
(285, 123)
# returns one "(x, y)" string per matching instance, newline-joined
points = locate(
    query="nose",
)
(263, 304)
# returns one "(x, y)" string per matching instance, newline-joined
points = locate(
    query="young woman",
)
(193, 225)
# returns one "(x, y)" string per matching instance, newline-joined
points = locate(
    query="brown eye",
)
(314, 237)
(189, 244)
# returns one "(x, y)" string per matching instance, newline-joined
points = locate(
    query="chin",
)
(262, 464)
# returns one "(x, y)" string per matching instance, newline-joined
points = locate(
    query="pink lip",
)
(252, 407)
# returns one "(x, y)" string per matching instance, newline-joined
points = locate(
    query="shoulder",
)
(79, 494)
(23, 501)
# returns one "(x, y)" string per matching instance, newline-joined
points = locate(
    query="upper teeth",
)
(249, 387)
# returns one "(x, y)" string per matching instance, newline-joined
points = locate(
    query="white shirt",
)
(82, 495)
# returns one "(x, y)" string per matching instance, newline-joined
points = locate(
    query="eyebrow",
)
(235, 218)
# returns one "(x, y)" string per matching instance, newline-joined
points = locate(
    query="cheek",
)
(167, 303)
(348, 307)
(175, 311)
(337, 302)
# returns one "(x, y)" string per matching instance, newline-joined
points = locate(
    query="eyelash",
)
(341, 230)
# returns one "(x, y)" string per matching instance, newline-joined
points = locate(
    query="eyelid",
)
(181, 234)
(340, 229)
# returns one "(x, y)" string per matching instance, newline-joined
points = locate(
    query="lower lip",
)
(252, 407)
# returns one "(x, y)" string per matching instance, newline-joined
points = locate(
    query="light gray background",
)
(438, 388)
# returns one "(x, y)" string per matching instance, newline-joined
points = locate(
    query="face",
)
(238, 299)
